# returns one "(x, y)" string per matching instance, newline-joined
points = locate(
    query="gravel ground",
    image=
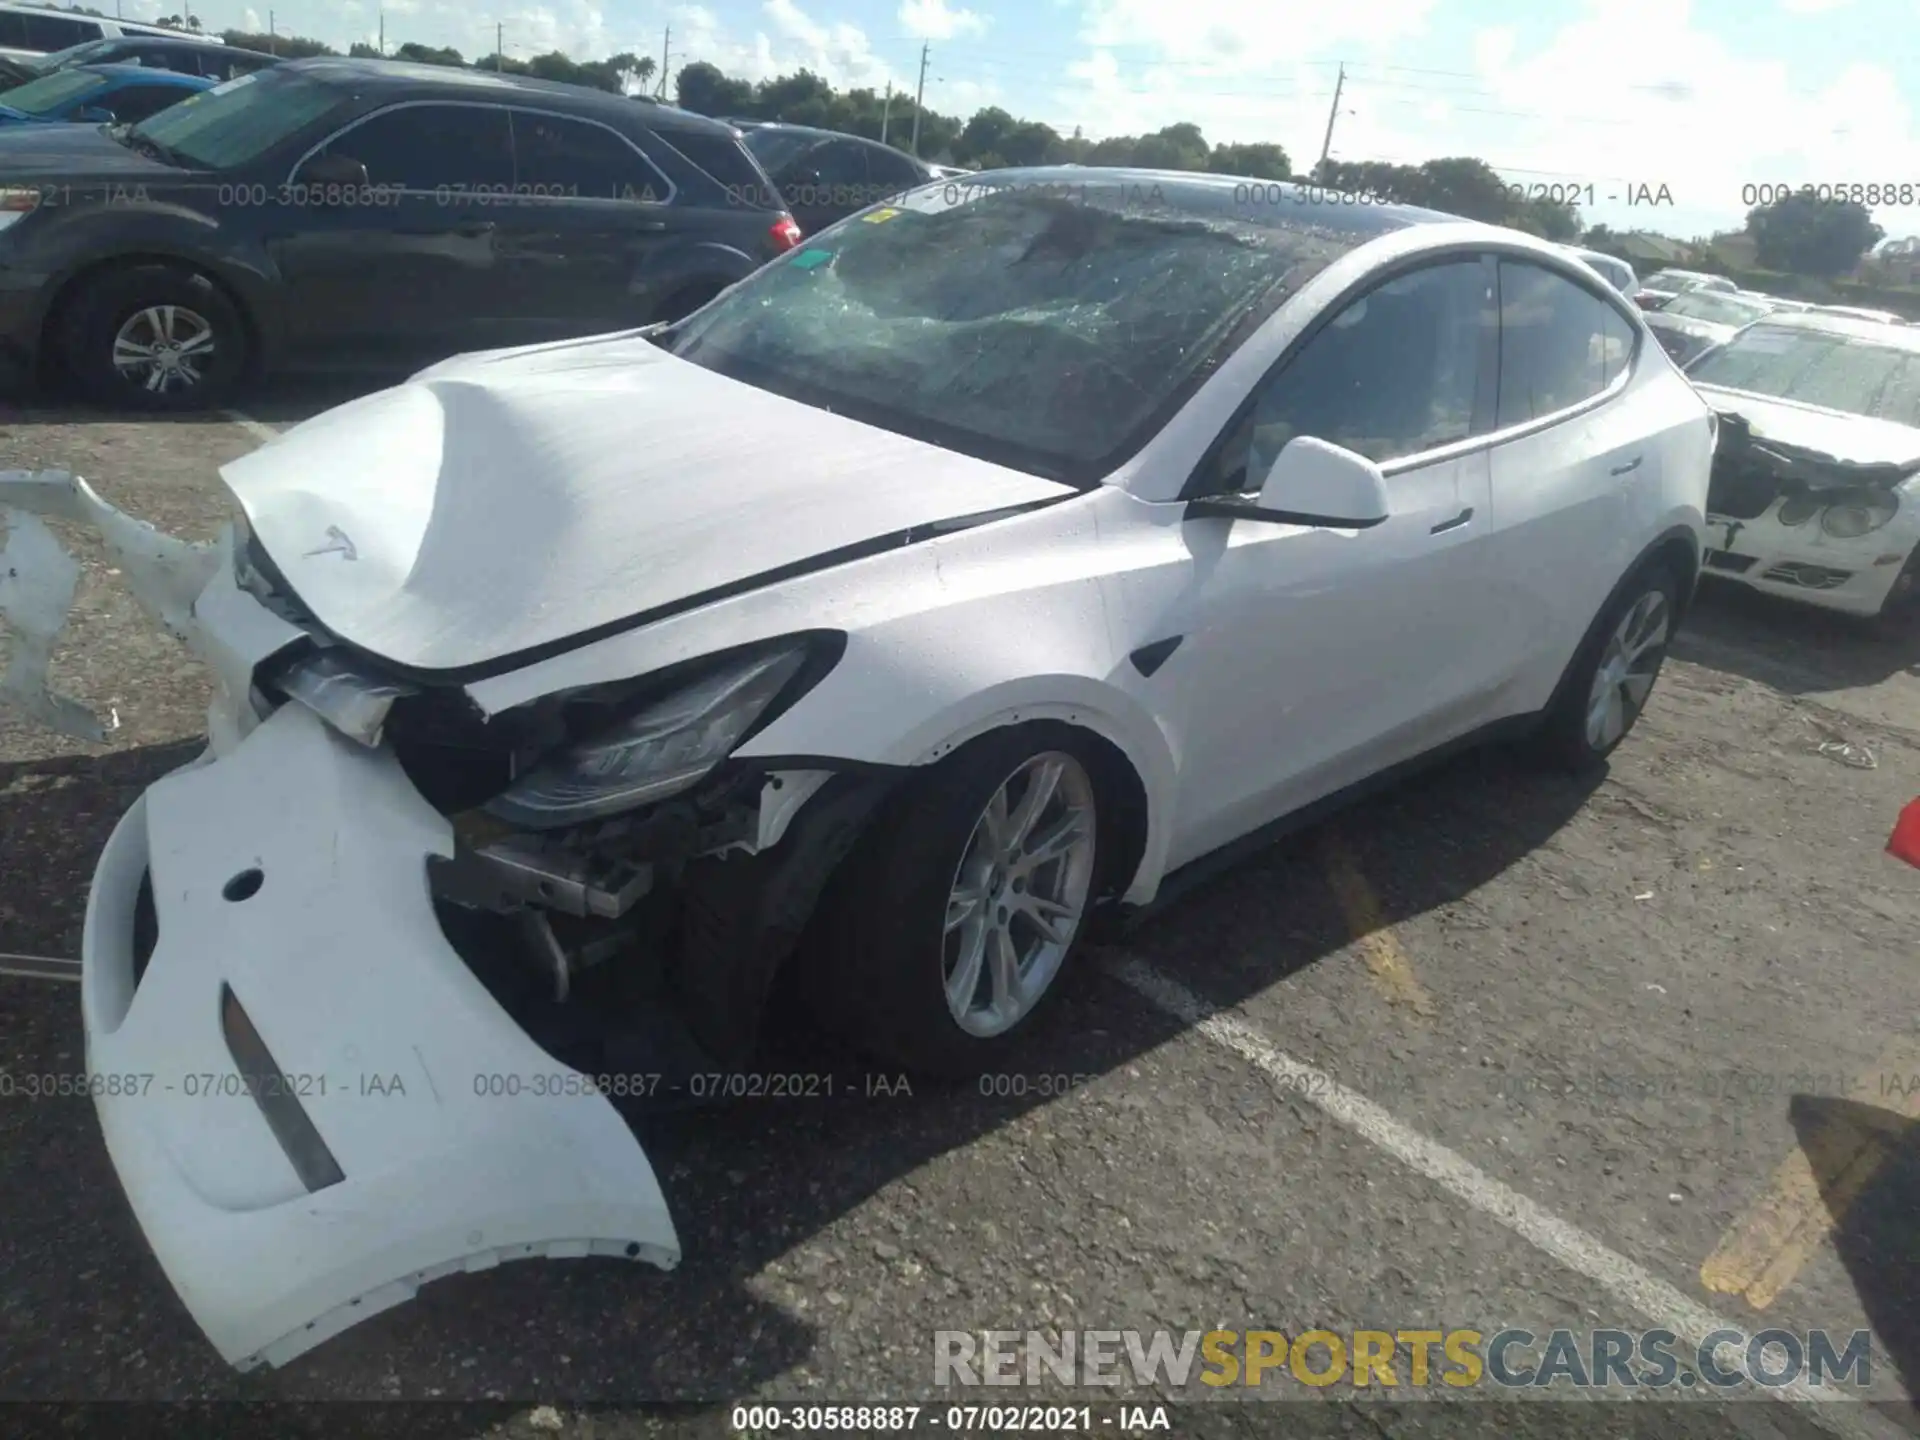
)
(1675, 1010)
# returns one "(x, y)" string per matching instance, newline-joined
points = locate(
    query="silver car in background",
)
(1616, 272)
(1694, 322)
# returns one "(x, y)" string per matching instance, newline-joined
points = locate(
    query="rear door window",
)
(726, 161)
(1560, 344)
(891, 172)
(571, 159)
(446, 150)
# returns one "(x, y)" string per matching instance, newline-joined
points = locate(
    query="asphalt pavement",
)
(1494, 1049)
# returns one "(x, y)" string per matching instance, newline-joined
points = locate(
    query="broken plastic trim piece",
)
(38, 581)
(312, 1161)
(355, 704)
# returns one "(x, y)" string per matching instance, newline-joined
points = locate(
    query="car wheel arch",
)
(1677, 548)
(60, 306)
(1128, 821)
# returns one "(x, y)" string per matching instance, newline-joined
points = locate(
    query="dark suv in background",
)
(362, 214)
(824, 176)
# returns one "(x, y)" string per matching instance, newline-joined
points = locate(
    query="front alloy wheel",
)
(1019, 894)
(946, 932)
(164, 348)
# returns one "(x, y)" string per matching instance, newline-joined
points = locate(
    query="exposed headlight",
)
(660, 749)
(1797, 510)
(1858, 515)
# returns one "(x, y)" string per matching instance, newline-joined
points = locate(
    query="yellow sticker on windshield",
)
(880, 217)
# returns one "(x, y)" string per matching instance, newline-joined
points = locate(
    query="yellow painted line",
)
(1813, 1189)
(1367, 922)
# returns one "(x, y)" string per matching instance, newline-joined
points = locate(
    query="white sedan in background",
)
(1814, 491)
(1696, 321)
(1001, 555)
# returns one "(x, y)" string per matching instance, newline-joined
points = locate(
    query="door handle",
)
(474, 228)
(1454, 524)
(651, 226)
(1630, 466)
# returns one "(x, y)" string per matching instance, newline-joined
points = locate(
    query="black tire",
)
(877, 962)
(1899, 617)
(683, 303)
(119, 299)
(1564, 739)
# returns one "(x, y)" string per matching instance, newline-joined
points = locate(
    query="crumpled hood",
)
(511, 501)
(1856, 449)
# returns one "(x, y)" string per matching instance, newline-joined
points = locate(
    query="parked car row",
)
(97, 95)
(206, 58)
(30, 31)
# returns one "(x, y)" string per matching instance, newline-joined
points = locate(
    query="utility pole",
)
(1326, 146)
(499, 47)
(886, 110)
(918, 95)
(273, 36)
(383, 34)
(666, 54)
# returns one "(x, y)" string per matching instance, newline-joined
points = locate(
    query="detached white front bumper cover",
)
(459, 1143)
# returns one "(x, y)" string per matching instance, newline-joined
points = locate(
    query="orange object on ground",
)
(1905, 841)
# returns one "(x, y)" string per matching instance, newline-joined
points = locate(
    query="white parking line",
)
(253, 427)
(40, 967)
(1627, 1282)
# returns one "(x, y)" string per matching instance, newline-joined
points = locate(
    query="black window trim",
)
(508, 107)
(1487, 384)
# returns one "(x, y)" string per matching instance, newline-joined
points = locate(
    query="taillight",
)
(785, 233)
(16, 202)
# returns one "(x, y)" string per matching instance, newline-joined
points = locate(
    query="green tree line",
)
(1798, 234)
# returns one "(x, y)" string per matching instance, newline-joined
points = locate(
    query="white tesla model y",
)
(981, 564)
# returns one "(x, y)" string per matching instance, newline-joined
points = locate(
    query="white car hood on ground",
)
(501, 503)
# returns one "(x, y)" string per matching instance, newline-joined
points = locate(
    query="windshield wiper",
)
(147, 145)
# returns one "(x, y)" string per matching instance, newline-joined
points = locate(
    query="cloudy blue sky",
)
(1703, 98)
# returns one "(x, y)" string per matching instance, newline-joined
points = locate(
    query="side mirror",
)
(330, 171)
(1310, 482)
(1322, 484)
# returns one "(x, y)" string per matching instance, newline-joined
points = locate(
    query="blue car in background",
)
(97, 94)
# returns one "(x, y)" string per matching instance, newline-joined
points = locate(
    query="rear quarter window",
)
(726, 162)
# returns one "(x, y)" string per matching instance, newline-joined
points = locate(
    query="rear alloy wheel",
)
(155, 337)
(1607, 687)
(946, 932)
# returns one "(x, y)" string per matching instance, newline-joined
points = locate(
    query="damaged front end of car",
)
(1812, 524)
(361, 982)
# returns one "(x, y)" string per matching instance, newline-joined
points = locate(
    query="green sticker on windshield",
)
(807, 259)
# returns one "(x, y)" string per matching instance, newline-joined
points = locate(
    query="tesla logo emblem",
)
(337, 544)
